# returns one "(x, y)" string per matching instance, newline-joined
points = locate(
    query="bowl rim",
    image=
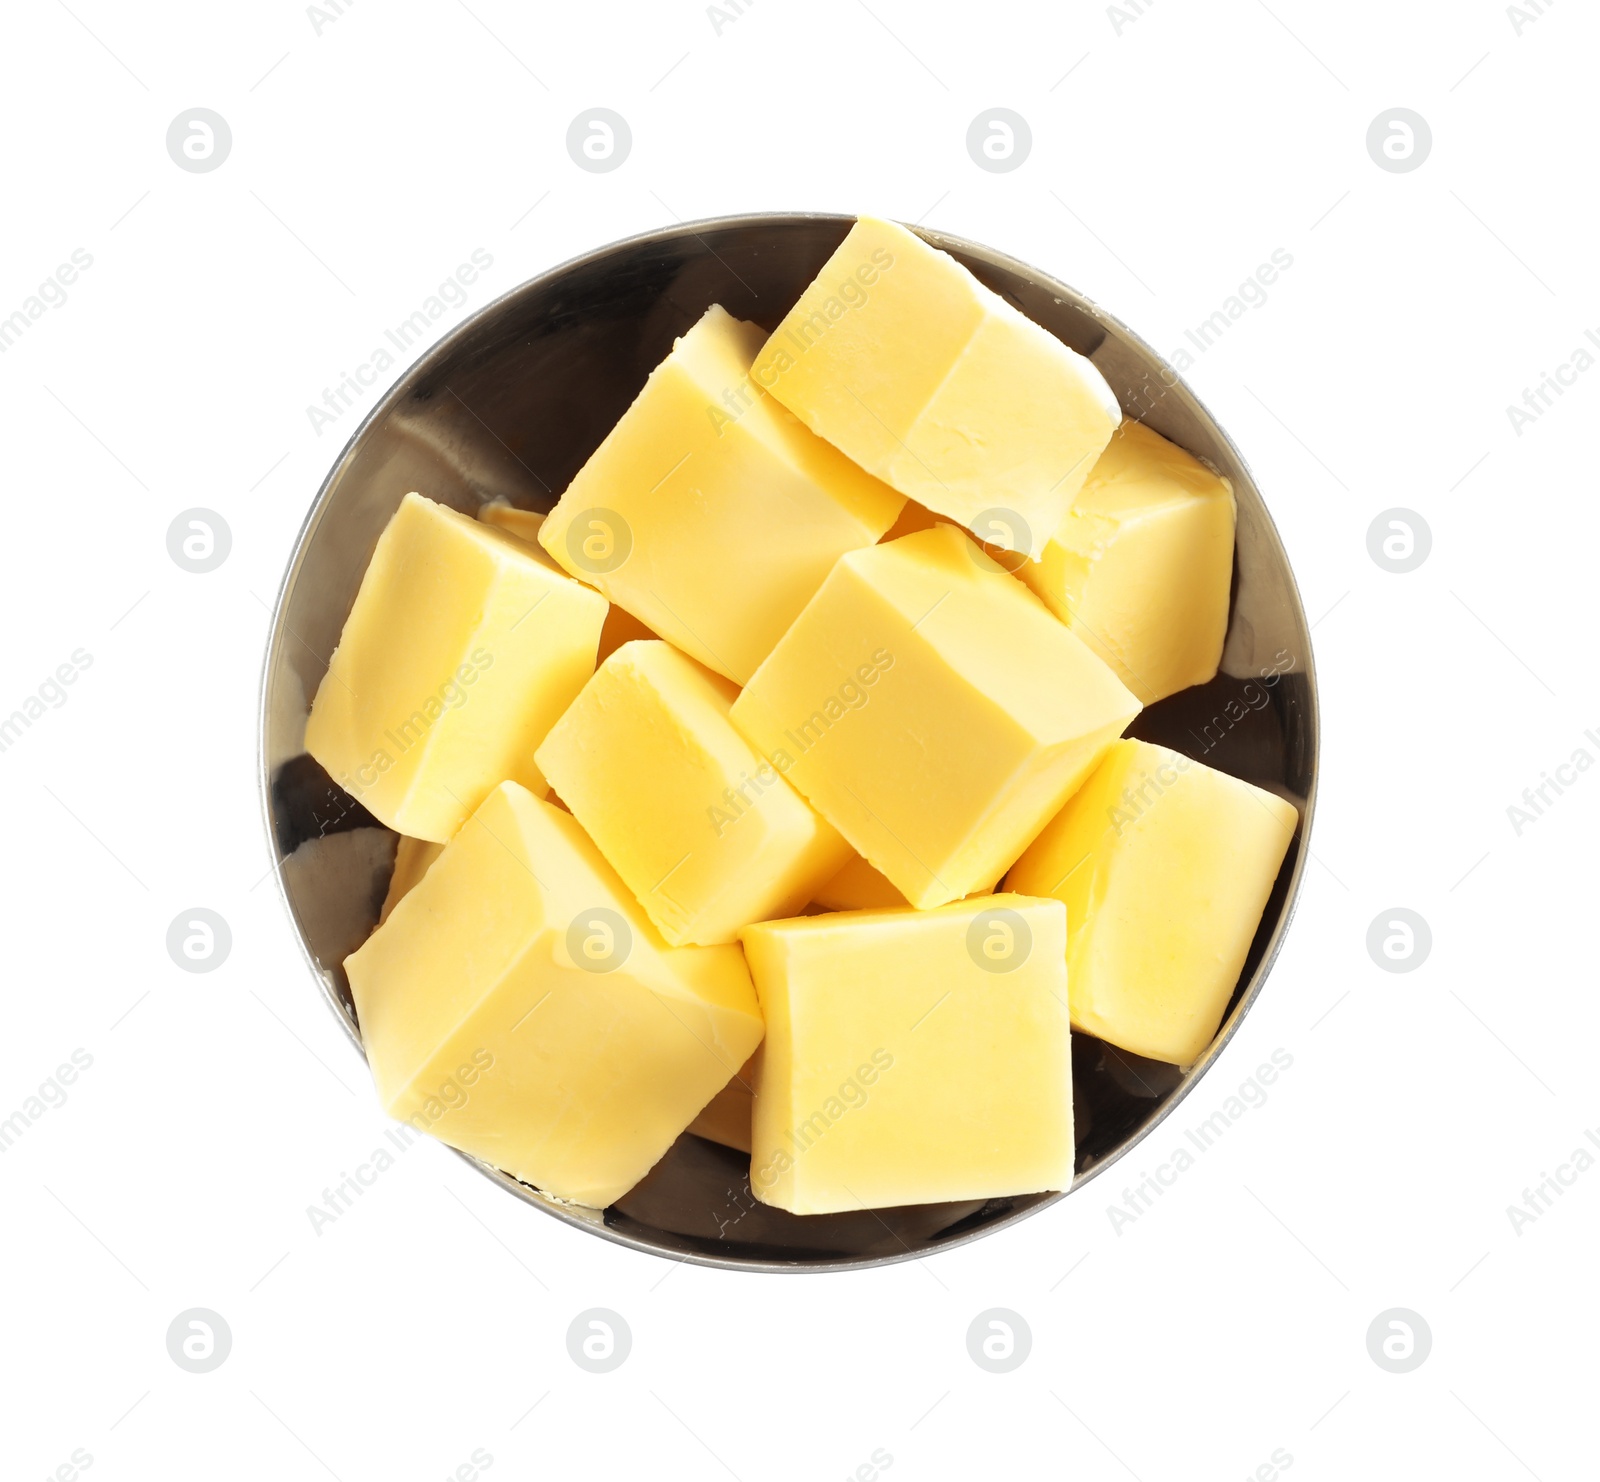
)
(437, 353)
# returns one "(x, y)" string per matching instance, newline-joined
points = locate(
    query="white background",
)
(1173, 151)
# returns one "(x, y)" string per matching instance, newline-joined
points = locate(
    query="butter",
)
(899, 356)
(709, 512)
(1165, 866)
(460, 652)
(913, 520)
(411, 860)
(518, 1005)
(858, 887)
(1141, 566)
(523, 523)
(932, 710)
(620, 627)
(727, 1116)
(706, 833)
(912, 1056)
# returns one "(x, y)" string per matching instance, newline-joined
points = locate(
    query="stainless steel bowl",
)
(508, 407)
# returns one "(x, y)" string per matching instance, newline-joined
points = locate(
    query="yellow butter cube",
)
(706, 832)
(858, 887)
(621, 626)
(899, 356)
(912, 1056)
(1140, 568)
(459, 654)
(411, 860)
(932, 710)
(518, 1005)
(709, 511)
(913, 519)
(523, 523)
(1165, 866)
(727, 1116)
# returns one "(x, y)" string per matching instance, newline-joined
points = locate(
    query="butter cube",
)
(858, 887)
(912, 1056)
(523, 523)
(620, 627)
(1165, 866)
(706, 833)
(411, 860)
(459, 654)
(519, 1006)
(932, 710)
(1141, 566)
(913, 519)
(727, 1116)
(899, 356)
(709, 512)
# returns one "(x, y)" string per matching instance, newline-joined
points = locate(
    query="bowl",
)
(508, 407)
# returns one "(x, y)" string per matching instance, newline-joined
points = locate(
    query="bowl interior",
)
(509, 406)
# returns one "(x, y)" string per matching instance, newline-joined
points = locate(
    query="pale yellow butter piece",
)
(912, 1056)
(519, 1005)
(709, 511)
(460, 652)
(621, 626)
(897, 354)
(523, 523)
(1165, 866)
(1140, 568)
(706, 833)
(859, 887)
(913, 519)
(727, 1116)
(933, 711)
(411, 860)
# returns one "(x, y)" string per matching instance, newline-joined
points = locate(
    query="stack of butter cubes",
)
(772, 786)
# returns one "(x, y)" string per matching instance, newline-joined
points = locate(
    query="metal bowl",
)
(509, 406)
